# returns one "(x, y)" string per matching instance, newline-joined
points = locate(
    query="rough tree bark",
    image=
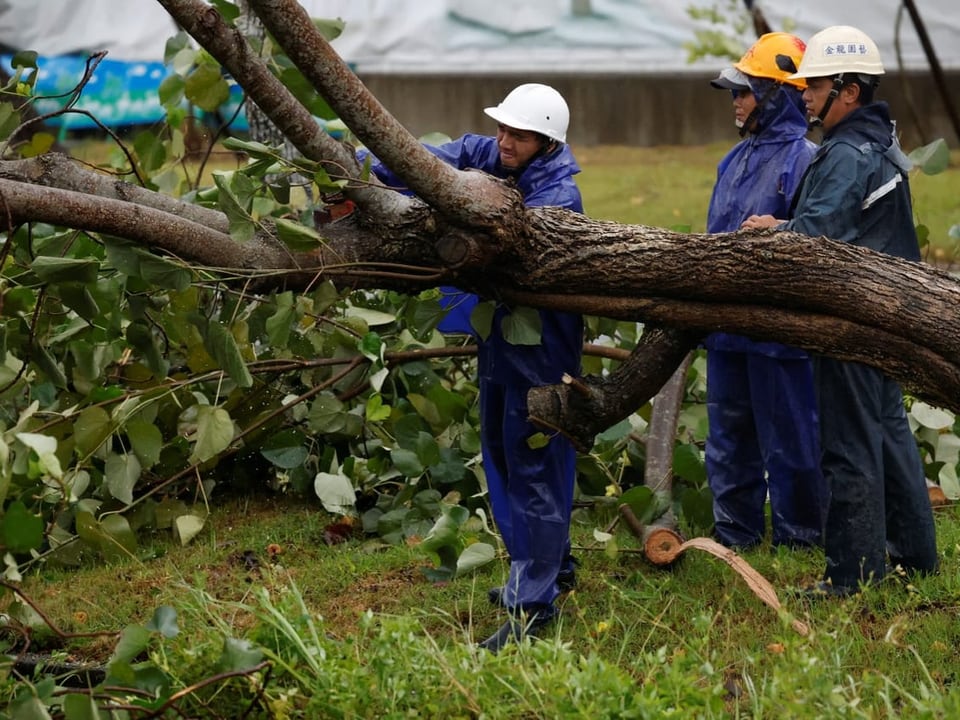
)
(469, 229)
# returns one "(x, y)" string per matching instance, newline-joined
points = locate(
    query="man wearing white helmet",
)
(531, 489)
(856, 190)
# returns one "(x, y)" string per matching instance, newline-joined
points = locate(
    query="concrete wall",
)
(639, 110)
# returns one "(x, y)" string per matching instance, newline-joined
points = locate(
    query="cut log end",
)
(936, 495)
(662, 545)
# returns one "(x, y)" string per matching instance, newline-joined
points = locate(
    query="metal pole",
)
(935, 68)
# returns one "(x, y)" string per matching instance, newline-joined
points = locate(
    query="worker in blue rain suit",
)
(763, 432)
(857, 191)
(530, 489)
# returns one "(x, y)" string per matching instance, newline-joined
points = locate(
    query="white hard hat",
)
(839, 49)
(534, 107)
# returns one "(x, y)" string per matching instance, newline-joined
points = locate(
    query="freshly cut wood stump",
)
(663, 545)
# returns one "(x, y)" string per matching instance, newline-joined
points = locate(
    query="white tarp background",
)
(474, 36)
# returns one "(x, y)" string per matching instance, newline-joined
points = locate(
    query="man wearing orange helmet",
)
(857, 191)
(763, 435)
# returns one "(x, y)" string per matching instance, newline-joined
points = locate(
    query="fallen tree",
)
(452, 227)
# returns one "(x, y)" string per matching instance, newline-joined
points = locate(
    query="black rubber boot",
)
(516, 628)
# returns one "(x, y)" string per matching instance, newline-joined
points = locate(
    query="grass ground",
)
(697, 616)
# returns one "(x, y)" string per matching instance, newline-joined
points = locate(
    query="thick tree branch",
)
(609, 399)
(59, 171)
(465, 197)
(155, 228)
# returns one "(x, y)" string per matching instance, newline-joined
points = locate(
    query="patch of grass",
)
(633, 640)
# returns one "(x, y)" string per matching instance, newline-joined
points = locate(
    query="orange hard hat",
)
(776, 56)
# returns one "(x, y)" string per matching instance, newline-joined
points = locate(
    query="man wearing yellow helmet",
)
(857, 191)
(763, 434)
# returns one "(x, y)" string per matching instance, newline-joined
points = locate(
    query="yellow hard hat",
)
(776, 56)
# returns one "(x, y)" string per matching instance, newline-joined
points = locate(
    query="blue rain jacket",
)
(759, 176)
(856, 190)
(761, 406)
(546, 181)
(531, 489)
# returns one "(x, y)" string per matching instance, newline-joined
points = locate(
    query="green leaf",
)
(206, 87)
(933, 158)
(229, 11)
(281, 322)
(222, 346)
(146, 440)
(151, 150)
(121, 473)
(28, 707)
(214, 433)
(26, 59)
(688, 464)
(370, 317)
(449, 469)
(481, 318)
(88, 529)
(296, 236)
(171, 90)
(256, 150)
(476, 555)
(286, 449)
(425, 408)
(327, 414)
(238, 656)
(407, 462)
(187, 527)
(143, 340)
(45, 447)
(371, 346)
(428, 449)
(329, 28)
(80, 706)
(390, 525)
(9, 120)
(697, 507)
(375, 410)
(62, 269)
(91, 428)
(22, 531)
(78, 298)
(119, 540)
(642, 501)
(164, 273)
(235, 199)
(164, 621)
(538, 440)
(336, 493)
(522, 326)
(133, 640)
(39, 144)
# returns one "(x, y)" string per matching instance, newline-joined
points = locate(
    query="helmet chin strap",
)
(751, 118)
(834, 92)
